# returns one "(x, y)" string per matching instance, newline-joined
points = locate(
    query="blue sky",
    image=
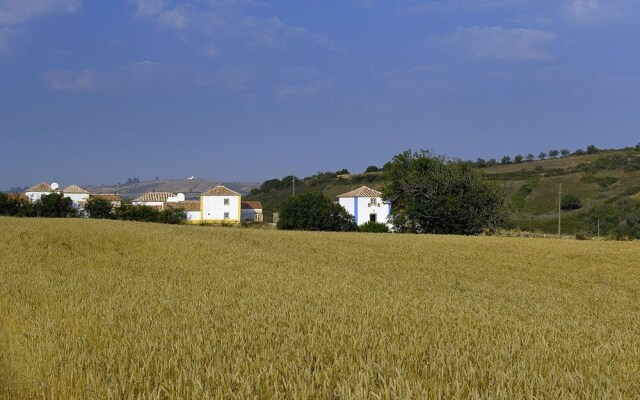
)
(98, 91)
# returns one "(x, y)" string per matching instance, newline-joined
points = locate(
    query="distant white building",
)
(366, 204)
(36, 192)
(153, 199)
(220, 205)
(252, 211)
(78, 196)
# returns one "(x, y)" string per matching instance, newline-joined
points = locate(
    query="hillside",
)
(192, 188)
(132, 310)
(607, 183)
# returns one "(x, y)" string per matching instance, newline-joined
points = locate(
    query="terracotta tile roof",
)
(362, 191)
(107, 197)
(74, 189)
(156, 197)
(221, 191)
(40, 187)
(251, 205)
(191, 205)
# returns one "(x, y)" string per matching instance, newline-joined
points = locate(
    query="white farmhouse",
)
(36, 192)
(366, 204)
(252, 211)
(78, 196)
(221, 204)
(153, 199)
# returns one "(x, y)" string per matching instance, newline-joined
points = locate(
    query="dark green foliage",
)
(343, 171)
(505, 160)
(564, 152)
(619, 219)
(314, 212)
(542, 155)
(591, 149)
(54, 205)
(373, 227)
(128, 212)
(492, 162)
(570, 202)
(431, 194)
(578, 152)
(481, 163)
(518, 158)
(530, 157)
(626, 162)
(171, 216)
(98, 208)
(13, 206)
(371, 168)
(554, 153)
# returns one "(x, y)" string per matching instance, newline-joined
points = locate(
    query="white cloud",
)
(214, 21)
(499, 43)
(594, 11)
(14, 12)
(101, 79)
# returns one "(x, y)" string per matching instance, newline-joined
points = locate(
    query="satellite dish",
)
(54, 186)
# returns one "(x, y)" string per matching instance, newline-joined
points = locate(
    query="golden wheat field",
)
(116, 310)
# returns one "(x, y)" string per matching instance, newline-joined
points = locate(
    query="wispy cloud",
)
(13, 12)
(211, 22)
(101, 79)
(597, 11)
(499, 43)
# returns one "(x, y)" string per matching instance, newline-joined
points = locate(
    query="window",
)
(226, 202)
(373, 218)
(226, 215)
(373, 202)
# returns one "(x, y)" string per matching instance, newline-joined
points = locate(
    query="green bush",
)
(314, 212)
(373, 227)
(128, 212)
(54, 205)
(13, 206)
(570, 202)
(98, 208)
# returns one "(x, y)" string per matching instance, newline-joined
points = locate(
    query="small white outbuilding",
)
(78, 196)
(366, 205)
(153, 199)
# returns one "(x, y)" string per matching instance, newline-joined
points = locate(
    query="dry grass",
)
(115, 310)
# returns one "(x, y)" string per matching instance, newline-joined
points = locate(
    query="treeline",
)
(520, 158)
(56, 205)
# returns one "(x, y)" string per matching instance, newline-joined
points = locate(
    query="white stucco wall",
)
(193, 215)
(33, 196)
(77, 197)
(362, 208)
(213, 208)
(249, 213)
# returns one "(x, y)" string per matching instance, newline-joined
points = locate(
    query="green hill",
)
(607, 183)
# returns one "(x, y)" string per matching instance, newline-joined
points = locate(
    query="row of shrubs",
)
(56, 205)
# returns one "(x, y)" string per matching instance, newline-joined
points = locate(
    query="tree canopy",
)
(314, 212)
(431, 194)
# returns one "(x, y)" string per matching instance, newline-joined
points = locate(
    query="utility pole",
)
(294, 183)
(560, 211)
(598, 227)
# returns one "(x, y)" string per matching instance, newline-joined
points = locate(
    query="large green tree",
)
(99, 208)
(314, 212)
(432, 194)
(53, 205)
